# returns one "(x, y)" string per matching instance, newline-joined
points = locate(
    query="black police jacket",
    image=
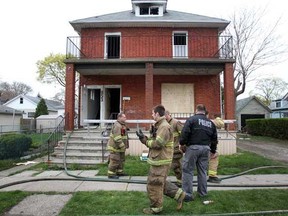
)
(199, 130)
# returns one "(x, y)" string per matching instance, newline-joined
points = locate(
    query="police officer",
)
(160, 144)
(117, 144)
(176, 165)
(198, 139)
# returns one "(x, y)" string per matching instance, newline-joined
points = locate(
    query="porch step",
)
(83, 148)
(60, 162)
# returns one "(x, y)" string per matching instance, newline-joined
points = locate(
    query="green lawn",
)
(132, 203)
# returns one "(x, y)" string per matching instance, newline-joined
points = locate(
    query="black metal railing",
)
(158, 46)
(55, 137)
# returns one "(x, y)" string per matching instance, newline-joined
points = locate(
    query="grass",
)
(38, 139)
(132, 203)
(9, 199)
(262, 139)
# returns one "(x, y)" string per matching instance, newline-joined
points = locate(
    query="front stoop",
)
(83, 148)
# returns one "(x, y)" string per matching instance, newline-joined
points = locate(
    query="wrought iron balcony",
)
(157, 46)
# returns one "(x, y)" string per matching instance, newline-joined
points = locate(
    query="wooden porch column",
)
(229, 94)
(70, 97)
(148, 90)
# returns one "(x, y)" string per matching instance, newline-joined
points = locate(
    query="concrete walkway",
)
(43, 204)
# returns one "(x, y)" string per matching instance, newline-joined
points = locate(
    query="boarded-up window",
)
(178, 97)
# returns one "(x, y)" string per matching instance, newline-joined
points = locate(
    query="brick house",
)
(133, 60)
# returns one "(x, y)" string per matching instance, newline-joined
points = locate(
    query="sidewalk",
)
(43, 204)
(59, 181)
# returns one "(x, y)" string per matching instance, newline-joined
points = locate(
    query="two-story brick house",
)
(136, 59)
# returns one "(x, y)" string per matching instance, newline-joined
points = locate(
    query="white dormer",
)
(149, 7)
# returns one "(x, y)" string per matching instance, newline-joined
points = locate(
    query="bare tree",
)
(269, 89)
(256, 44)
(9, 91)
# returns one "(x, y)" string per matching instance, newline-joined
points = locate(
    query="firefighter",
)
(160, 144)
(117, 144)
(176, 165)
(214, 158)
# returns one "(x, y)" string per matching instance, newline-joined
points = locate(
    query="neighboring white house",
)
(279, 107)
(28, 104)
(9, 119)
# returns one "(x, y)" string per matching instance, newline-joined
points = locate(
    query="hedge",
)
(14, 145)
(277, 128)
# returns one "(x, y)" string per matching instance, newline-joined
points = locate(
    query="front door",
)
(101, 102)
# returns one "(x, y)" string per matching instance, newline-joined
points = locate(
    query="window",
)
(112, 45)
(180, 44)
(92, 94)
(31, 114)
(278, 104)
(21, 100)
(144, 11)
(149, 10)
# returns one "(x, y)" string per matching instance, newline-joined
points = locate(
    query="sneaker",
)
(214, 179)
(113, 177)
(188, 198)
(122, 174)
(180, 200)
(148, 211)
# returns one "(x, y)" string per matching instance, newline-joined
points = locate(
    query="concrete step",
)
(83, 148)
(80, 154)
(59, 161)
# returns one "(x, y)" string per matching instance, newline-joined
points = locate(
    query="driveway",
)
(277, 151)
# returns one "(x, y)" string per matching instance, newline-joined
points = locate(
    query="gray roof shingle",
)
(240, 104)
(170, 19)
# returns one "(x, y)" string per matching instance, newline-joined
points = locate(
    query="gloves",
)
(183, 148)
(213, 156)
(140, 134)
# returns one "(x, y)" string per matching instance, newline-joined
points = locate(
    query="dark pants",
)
(195, 156)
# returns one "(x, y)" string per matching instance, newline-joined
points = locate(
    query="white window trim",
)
(160, 7)
(186, 48)
(105, 44)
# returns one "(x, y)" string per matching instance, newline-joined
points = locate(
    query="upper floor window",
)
(146, 10)
(149, 10)
(180, 44)
(278, 104)
(21, 100)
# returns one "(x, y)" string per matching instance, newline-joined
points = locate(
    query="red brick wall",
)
(206, 90)
(150, 42)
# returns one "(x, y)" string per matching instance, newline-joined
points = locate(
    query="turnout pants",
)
(176, 165)
(213, 166)
(157, 185)
(116, 163)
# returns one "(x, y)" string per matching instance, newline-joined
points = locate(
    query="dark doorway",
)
(244, 117)
(113, 46)
(112, 103)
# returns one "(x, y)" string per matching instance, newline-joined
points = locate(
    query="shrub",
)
(276, 128)
(14, 145)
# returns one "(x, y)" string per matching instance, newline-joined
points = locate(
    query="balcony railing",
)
(125, 47)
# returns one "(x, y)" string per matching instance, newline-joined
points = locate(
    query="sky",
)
(33, 29)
